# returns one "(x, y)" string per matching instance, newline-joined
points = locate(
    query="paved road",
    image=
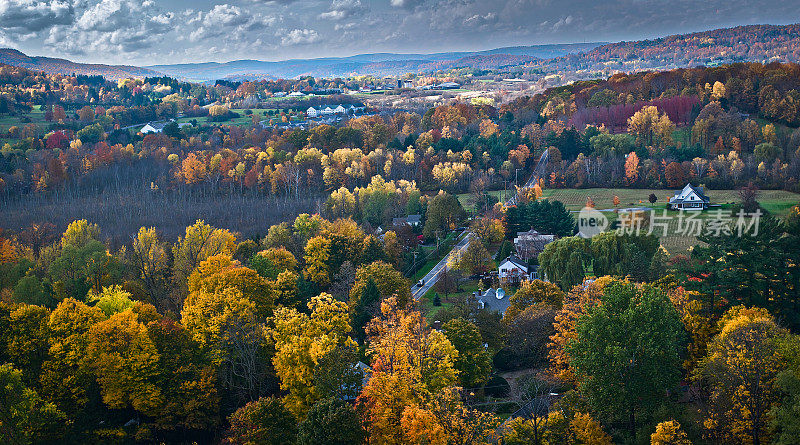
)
(433, 276)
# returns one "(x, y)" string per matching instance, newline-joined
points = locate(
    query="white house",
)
(158, 127)
(312, 112)
(153, 127)
(296, 94)
(690, 198)
(512, 269)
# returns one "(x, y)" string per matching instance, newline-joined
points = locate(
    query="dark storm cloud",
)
(26, 16)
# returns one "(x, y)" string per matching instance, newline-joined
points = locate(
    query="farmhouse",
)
(690, 198)
(410, 220)
(531, 243)
(158, 127)
(153, 127)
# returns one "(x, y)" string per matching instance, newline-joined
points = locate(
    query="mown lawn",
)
(36, 117)
(777, 202)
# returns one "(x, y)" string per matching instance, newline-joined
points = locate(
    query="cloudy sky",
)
(173, 31)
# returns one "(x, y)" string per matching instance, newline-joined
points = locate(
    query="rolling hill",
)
(381, 64)
(755, 43)
(52, 65)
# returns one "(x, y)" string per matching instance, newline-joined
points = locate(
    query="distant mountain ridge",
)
(749, 43)
(382, 64)
(52, 65)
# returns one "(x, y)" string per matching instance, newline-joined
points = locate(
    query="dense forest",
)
(232, 281)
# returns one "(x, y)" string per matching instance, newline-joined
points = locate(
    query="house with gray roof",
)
(689, 198)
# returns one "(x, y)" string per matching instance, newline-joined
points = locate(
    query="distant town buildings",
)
(328, 110)
(442, 86)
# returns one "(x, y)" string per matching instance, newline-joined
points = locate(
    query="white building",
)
(512, 270)
(158, 127)
(690, 198)
(339, 109)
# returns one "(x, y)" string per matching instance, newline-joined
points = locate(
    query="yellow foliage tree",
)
(669, 433)
(317, 257)
(409, 364)
(301, 340)
(740, 370)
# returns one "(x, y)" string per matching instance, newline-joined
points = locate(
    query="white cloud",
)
(342, 9)
(405, 3)
(300, 37)
(225, 20)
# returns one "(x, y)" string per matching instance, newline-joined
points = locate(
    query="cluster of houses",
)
(528, 245)
(313, 112)
(515, 269)
(442, 86)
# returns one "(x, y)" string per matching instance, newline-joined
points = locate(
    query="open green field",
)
(777, 202)
(35, 117)
(242, 120)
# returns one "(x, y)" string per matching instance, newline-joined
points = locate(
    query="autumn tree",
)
(65, 378)
(409, 364)
(200, 242)
(675, 175)
(445, 419)
(740, 370)
(473, 362)
(331, 421)
(444, 214)
(669, 433)
(532, 292)
(263, 421)
(317, 258)
(625, 352)
(651, 128)
(149, 258)
(389, 281)
(632, 168)
(151, 365)
(24, 416)
(220, 272)
(473, 259)
(301, 340)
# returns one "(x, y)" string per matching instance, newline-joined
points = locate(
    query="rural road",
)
(433, 276)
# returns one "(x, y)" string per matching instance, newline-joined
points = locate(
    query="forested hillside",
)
(249, 275)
